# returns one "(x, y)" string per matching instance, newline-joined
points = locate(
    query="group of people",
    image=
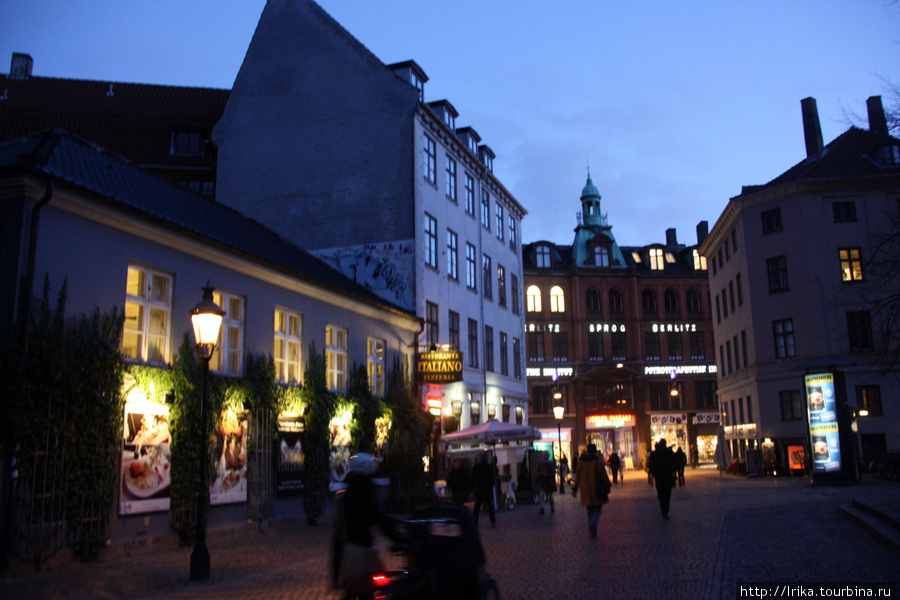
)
(666, 468)
(482, 481)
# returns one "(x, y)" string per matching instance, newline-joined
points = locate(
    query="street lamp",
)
(558, 411)
(206, 319)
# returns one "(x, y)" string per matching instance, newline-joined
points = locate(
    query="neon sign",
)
(609, 421)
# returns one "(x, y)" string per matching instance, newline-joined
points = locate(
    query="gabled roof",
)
(847, 156)
(122, 184)
(132, 119)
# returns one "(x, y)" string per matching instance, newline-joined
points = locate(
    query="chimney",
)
(670, 237)
(20, 66)
(812, 129)
(877, 122)
(702, 231)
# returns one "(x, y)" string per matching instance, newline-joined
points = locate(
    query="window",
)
(533, 299)
(535, 346)
(504, 352)
(229, 356)
(542, 255)
(187, 143)
(784, 338)
(501, 285)
(778, 276)
(737, 355)
(488, 348)
(601, 256)
(698, 345)
(731, 294)
(473, 343)
(470, 195)
(859, 326)
(890, 155)
(618, 345)
(375, 366)
(699, 260)
(335, 358)
(499, 214)
(651, 344)
(432, 326)
(740, 289)
(648, 301)
(513, 238)
(734, 240)
(514, 291)
(718, 309)
(868, 397)
(724, 304)
(487, 276)
(471, 278)
(693, 301)
(844, 212)
(430, 161)
(657, 262)
(705, 393)
(288, 345)
(676, 351)
(616, 304)
(453, 323)
(148, 307)
(791, 407)
(485, 209)
(560, 340)
(851, 264)
(771, 221)
(595, 345)
(517, 358)
(592, 301)
(744, 347)
(451, 179)
(452, 255)
(557, 300)
(670, 298)
(430, 241)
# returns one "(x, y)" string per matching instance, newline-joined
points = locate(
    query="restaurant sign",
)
(439, 366)
(609, 421)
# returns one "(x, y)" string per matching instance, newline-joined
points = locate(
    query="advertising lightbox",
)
(821, 408)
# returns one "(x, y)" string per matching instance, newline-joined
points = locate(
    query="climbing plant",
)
(321, 406)
(367, 409)
(409, 434)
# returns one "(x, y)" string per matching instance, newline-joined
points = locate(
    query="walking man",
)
(662, 467)
(483, 480)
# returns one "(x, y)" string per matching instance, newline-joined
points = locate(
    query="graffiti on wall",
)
(385, 269)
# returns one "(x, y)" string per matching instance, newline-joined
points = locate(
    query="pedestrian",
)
(458, 481)
(563, 468)
(662, 467)
(546, 482)
(647, 467)
(695, 456)
(591, 477)
(483, 479)
(615, 465)
(680, 464)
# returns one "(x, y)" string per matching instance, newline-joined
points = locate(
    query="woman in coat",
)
(590, 470)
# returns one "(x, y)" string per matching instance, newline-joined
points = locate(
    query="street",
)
(723, 530)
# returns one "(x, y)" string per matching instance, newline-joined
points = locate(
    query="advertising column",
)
(824, 409)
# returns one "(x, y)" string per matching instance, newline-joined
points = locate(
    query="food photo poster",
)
(145, 476)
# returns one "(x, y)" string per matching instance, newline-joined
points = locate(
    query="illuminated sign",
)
(668, 418)
(609, 421)
(673, 327)
(439, 366)
(549, 372)
(821, 406)
(606, 327)
(706, 417)
(680, 369)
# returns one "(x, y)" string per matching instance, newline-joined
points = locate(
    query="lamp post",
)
(206, 318)
(558, 411)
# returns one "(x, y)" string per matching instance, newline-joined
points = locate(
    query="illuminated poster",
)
(230, 484)
(145, 477)
(821, 406)
(340, 447)
(290, 457)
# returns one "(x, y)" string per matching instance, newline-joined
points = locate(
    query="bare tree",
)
(891, 95)
(882, 272)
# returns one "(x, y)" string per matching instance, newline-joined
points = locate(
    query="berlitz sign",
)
(439, 366)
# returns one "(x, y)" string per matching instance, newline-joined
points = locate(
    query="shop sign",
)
(290, 456)
(673, 327)
(744, 431)
(609, 421)
(145, 478)
(668, 419)
(821, 406)
(552, 372)
(706, 418)
(439, 366)
(681, 369)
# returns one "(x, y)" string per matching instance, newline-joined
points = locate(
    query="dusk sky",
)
(673, 105)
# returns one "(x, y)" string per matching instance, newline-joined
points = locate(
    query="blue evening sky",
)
(674, 105)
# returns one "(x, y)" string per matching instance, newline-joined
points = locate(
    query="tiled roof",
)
(132, 119)
(66, 157)
(561, 261)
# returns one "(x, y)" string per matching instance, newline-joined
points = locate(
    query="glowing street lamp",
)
(206, 318)
(558, 411)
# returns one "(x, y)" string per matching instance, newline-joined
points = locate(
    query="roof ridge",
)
(114, 82)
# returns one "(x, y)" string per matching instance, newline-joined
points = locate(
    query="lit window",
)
(375, 366)
(699, 261)
(148, 308)
(851, 264)
(533, 299)
(288, 344)
(229, 355)
(335, 358)
(557, 299)
(656, 259)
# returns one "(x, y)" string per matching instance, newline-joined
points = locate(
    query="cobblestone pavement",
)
(722, 530)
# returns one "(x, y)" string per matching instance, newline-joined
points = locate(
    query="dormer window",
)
(187, 143)
(486, 156)
(445, 112)
(542, 257)
(656, 259)
(601, 256)
(699, 261)
(470, 138)
(413, 74)
(890, 155)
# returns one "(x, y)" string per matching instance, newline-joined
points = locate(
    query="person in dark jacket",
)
(591, 468)
(458, 481)
(483, 479)
(615, 465)
(662, 467)
(546, 481)
(680, 464)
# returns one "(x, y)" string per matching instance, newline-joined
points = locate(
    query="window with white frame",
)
(542, 256)
(499, 214)
(430, 241)
(501, 285)
(335, 358)
(470, 195)
(699, 260)
(485, 210)
(512, 233)
(288, 344)
(229, 355)
(471, 273)
(375, 366)
(430, 160)
(148, 315)
(488, 275)
(452, 255)
(451, 179)
(657, 261)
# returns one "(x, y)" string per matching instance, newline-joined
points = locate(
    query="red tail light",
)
(380, 580)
